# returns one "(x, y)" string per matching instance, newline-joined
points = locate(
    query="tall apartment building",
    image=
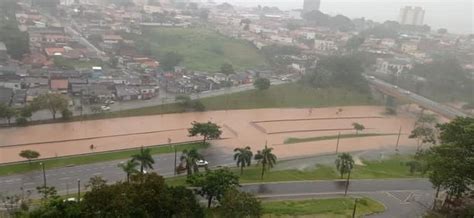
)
(411, 16)
(311, 5)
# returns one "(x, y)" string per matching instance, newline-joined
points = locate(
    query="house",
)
(111, 39)
(32, 93)
(126, 93)
(59, 85)
(19, 98)
(394, 66)
(92, 93)
(32, 82)
(148, 92)
(54, 51)
(324, 45)
(6, 95)
(14, 84)
(3, 53)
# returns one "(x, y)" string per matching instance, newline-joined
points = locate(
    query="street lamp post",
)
(354, 209)
(44, 174)
(78, 190)
(175, 155)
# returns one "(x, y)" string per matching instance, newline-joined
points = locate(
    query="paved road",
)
(401, 197)
(65, 179)
(164, 99)
(442, 109)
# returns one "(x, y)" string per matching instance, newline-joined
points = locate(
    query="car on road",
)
(105, 108)
(395, 87)
(407, 92)
(372, 77)
(202, 163)
(107, 102)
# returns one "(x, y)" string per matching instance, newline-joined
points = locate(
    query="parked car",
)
(202, 163)
(105, 108)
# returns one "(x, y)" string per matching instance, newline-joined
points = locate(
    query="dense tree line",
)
(333, 71)
(16, 41)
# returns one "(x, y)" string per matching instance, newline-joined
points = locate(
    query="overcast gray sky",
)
(456, 15)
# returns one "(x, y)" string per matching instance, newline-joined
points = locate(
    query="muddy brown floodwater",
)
(240, 128)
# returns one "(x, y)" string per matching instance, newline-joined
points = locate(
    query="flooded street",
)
(240, 128)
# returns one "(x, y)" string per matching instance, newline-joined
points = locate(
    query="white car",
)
(407, 92)
(105, 108)
(372, 77)
(109, 102)
(202, 163)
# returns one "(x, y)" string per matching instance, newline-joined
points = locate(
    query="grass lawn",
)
(393, 167)
(91, 158)
(287, 95)
(331, 207)
(342, 136)
(202, 49)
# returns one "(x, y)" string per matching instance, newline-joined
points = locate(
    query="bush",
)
(66, 114)
(21, 121)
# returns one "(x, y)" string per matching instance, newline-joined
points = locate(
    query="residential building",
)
(126, 93)
(6, 95)
(411, 16)
(3, 53)
(311, 5)
(14, 84)
(324, 45)
(393, 66)
(60, 85)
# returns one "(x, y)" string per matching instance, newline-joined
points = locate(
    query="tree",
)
(243, 156)
(358, 127)
(144, 158)
(344, 163)
(52, 101)
(6, 112)
(261, 83)
(423, 134)
(227, 69)
(146, 195)
(96, 182)
(189, 159)
(442, 31)
(130, 168)
(236, 204)
(29, 155)
(206, 130)
(266, 158)
(213, 184)
(204, 14)
(170, 60)
(354, 43)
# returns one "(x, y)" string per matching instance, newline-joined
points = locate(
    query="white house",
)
(324, 45)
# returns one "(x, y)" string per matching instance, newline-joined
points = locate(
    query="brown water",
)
(238, 126)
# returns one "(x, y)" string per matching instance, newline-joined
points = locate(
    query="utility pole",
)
(175, 155)
(78, 190)
(355, 207)
(44, 174)
(337, 143)
(398, 138)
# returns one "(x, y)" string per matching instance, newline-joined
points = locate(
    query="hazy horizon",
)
(457, 15)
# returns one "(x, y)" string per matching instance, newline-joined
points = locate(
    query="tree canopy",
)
(51, 101)
(213, 184)
(29, 154)
(227, 69)
(170, 60)
(206, 130)
(261, 83)
(237, 204)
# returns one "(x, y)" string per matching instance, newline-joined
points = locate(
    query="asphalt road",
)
(401, 197)
(442, 109)
(65, 179)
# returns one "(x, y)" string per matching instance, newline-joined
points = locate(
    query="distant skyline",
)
(455, 15)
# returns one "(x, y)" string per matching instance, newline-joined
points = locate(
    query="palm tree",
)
(344, 163)
(266, 158)
(130, 168)
(358, 127)
(190, 158)
(243, 156)
(144, 158)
